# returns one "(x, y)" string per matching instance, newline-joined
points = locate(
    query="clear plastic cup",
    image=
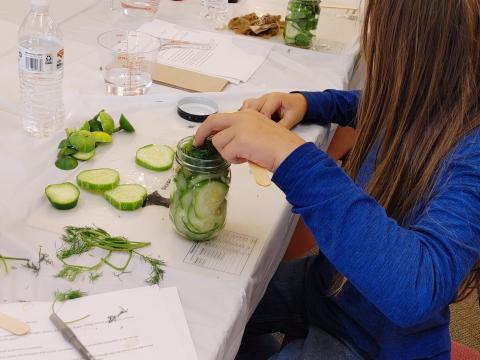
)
(140, 7)
(128, 58)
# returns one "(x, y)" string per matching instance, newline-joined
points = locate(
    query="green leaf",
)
(66, 163)
(125, 124)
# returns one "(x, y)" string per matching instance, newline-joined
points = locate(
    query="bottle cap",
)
(39, 3)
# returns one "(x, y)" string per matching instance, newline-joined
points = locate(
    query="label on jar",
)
(40, 62)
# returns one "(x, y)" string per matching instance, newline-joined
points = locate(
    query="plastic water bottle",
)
(215, 11)
(40, 63)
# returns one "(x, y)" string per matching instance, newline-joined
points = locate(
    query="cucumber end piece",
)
(62, 196)
(125, 124)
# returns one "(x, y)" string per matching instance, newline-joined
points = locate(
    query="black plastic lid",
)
(196, 109)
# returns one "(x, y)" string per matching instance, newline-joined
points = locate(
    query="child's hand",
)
(249, 135)
(290, 109)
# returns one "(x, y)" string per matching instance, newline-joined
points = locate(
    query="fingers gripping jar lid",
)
(196, 109)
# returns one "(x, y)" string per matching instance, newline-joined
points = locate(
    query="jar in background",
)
(198, 200)
(301, 22)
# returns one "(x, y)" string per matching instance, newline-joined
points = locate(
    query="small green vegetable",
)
(66, 163)
(80, 144)
(64, 143)
(70, 131)
(85, 126)
(102, 137)
(65, 151)
(83, 141)
(107, 122)
(95, 125)
(125, 124)
(83, 156)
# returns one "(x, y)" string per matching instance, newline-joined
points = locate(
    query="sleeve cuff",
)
(319, 100)
(304, 157)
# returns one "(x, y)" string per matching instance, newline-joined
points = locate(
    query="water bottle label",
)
(31, 61)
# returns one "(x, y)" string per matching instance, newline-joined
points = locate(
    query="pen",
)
(69, 335)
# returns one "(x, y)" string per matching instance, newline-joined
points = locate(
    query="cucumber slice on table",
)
(62, 196)
(84, 156)
(208, 197)
(98, 179)
(127, 197)
(153, 157)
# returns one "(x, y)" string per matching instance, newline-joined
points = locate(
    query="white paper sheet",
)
(230, 57)
(229, 252)
(153, 327)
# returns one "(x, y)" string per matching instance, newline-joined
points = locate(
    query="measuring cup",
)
(128, 58)
(140, 7)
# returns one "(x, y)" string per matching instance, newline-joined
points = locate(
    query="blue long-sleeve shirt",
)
(401, 279)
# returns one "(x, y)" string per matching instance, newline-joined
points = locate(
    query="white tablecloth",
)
(217, 305)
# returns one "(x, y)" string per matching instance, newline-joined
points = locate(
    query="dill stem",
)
(4, 259)
(121, 269)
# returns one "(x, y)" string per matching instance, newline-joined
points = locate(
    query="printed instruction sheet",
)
(141, 323)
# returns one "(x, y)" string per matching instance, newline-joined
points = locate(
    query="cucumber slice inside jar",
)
(98, 179)
(208, 197)
(153, 157)
(62, 196)
(186, 200)
(207, 224)
(127, 197)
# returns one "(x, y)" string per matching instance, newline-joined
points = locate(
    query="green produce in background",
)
(301, 22)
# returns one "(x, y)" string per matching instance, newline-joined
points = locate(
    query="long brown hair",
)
(421, 97)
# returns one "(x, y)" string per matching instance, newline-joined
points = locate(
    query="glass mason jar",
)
(301, 22)
(198, 200)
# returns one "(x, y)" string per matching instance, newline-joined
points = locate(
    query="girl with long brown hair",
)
(399, 231)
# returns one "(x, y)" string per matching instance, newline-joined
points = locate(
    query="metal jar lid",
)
(196, 109)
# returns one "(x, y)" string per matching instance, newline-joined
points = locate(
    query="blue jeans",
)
(283, 309)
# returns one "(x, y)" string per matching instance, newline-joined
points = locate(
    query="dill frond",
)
(70, 272)
(68, 295)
